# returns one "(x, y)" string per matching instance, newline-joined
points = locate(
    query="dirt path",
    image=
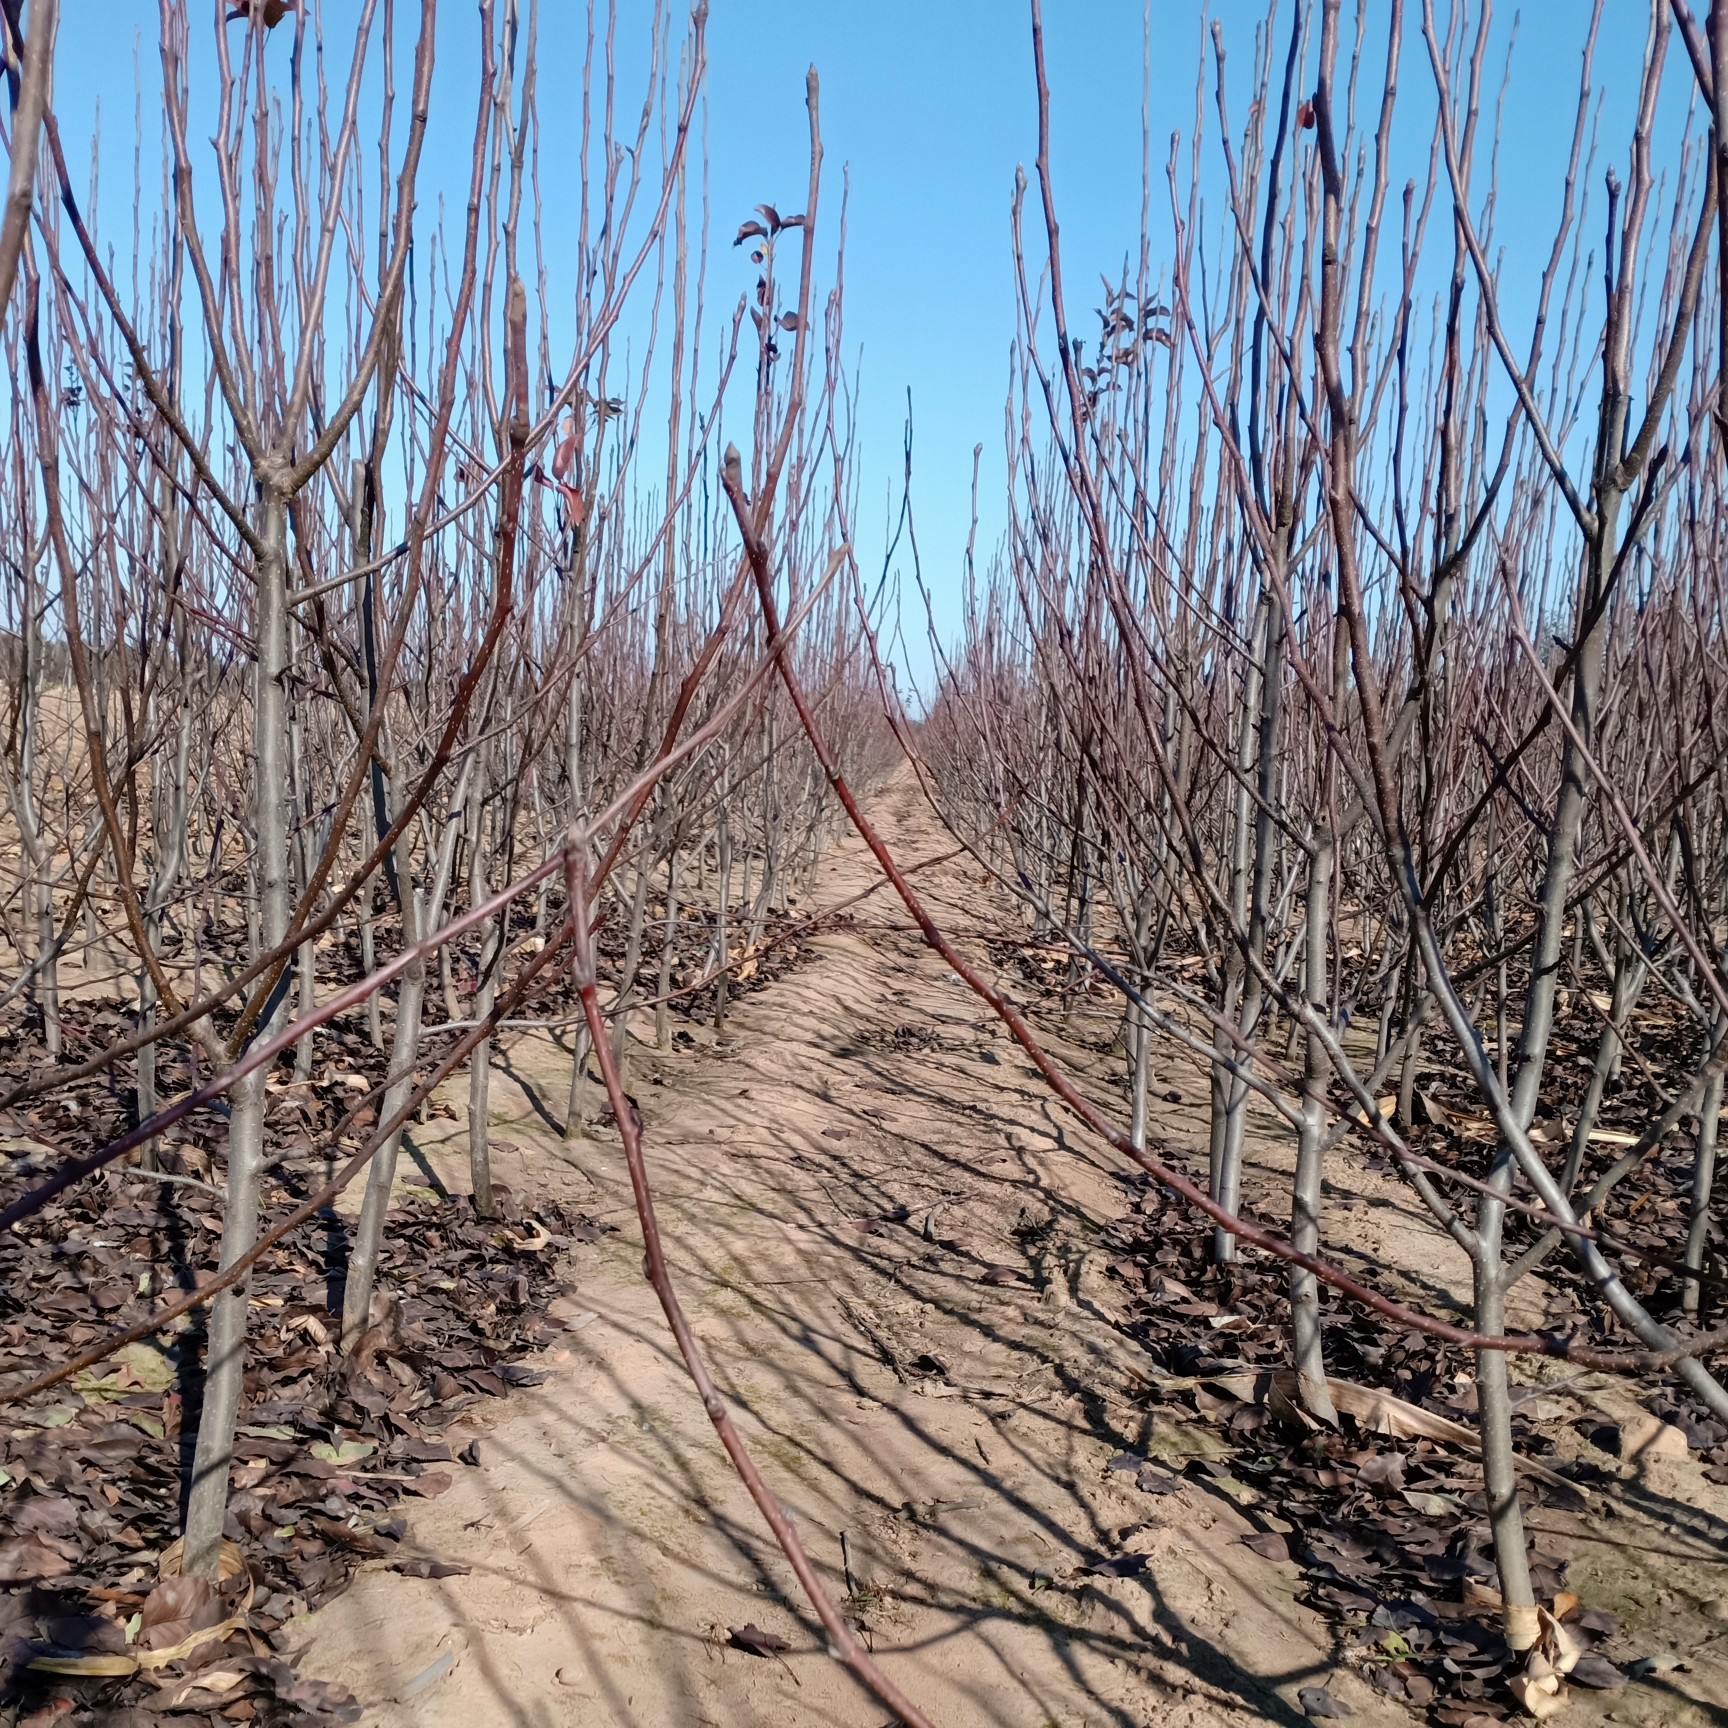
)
(933, 1396)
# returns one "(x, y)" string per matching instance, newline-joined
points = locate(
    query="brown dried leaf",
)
(28, 1559)
(751, 1637)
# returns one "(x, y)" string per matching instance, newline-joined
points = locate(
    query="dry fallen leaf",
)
(25, 1559)
(1378, 1411)
(1543, 1697)
(751, 1637)
(1385, 1107)
(1316, 1701)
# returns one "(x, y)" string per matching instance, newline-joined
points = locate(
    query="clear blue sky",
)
(930, 104)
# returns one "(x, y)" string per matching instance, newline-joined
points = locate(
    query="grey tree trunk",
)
(1140, 1075)
(668, 952)
(480, 1061)
(306, 955)
(627, 976)
(1494, 1412)
(1307, 1341)
(225, 1352)
(170, 814)
(576, 1108)
(1494, 1417)
(480, 1090)
(1251, 873)
(369, 964)
(39, 887)
(1703, 1185)
(225, 1363)
(421, 911)
(576, 1105)
(368, 1237)
(1628, 985)
(722, 936)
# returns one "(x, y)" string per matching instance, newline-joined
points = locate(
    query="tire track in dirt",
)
(881, 1228)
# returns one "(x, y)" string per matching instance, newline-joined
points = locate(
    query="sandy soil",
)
(612, 1548)
(952, 1493)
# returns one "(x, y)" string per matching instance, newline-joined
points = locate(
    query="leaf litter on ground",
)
(327, 1445)
(1386, 1520)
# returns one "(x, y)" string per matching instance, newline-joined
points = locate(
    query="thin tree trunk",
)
(369, 964)
(368, 1238)
(668, 953)
(480, 1060)
(225, 1351)
(576, 1105)
(225, 1365)
(1703, 1185)
(1308, 1345)
(421, 910)
(1494, 1421)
